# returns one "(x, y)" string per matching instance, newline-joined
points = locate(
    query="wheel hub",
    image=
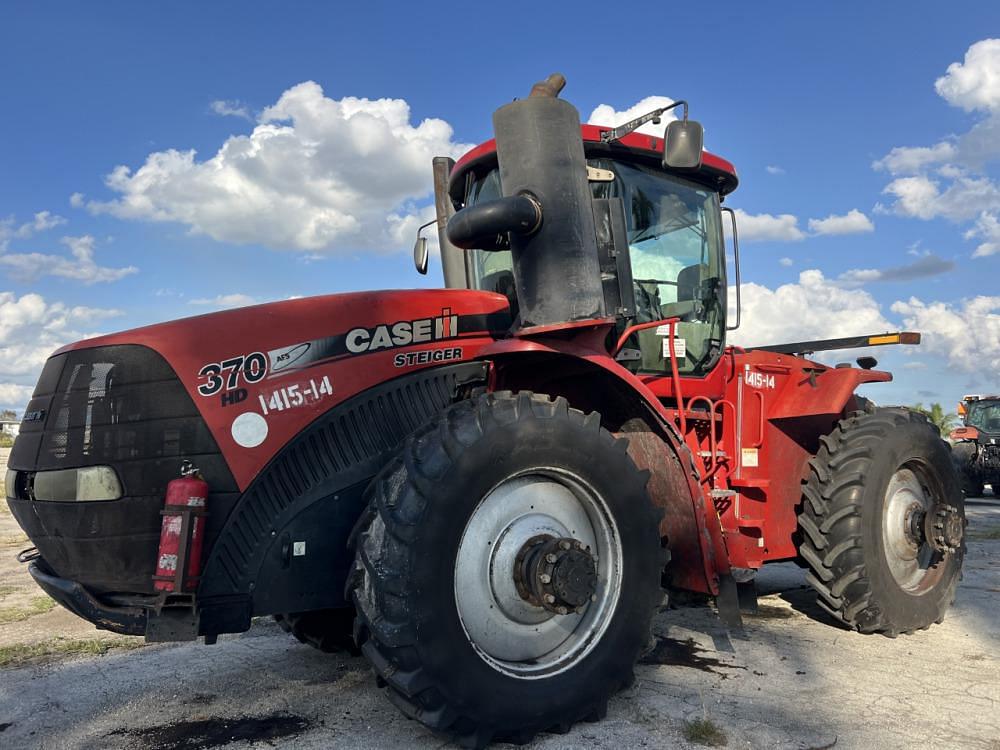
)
(538, 573)
(945, 528)
(558, 574)
(914, 525)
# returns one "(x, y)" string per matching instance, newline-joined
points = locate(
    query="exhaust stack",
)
(557, 273)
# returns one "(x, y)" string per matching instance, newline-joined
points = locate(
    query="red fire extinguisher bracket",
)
(178, 558)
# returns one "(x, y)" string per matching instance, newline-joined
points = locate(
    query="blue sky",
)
(808, 102)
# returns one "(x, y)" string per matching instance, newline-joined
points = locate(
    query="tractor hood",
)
(256, 375)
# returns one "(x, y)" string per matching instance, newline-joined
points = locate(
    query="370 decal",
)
(227, 374)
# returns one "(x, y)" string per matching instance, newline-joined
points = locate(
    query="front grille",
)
(121, 406)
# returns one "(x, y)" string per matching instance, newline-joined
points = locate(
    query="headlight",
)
(87, 483)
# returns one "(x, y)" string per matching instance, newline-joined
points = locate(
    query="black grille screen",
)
(120, 406)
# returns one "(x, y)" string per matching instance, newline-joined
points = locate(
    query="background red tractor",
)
(976, 444)
(486, 489)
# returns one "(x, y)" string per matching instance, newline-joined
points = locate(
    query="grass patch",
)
(4, 590)
(704, 732)
(38, 606)
(15, 656)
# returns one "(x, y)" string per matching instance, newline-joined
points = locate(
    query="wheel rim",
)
(911, 559)
(511, 634)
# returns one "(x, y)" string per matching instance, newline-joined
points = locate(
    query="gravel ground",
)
(791, 679)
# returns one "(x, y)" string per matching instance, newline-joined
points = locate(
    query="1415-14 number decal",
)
(297, 394)
(227, 374)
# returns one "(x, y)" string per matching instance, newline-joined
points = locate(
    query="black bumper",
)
(79, 601)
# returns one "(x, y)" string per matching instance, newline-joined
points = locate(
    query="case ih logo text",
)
(403, 333)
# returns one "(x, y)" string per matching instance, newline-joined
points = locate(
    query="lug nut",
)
(562, 610)
(549, 599)
(593, 597)
(545, 578)
(551, 558)
(564, 545)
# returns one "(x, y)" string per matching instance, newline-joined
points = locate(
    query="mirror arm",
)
(609, 136)
(736, 259)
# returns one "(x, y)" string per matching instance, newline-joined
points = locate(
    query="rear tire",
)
(467, 657)
(328, 630)
(875, 480)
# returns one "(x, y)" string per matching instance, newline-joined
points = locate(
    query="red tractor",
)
(486, 489)
(976, 444)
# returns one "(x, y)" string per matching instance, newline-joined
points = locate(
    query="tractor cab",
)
(676, 247)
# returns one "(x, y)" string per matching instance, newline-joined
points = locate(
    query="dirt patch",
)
(207, 733)
(19, 539)
(771, 612)
(687, 653)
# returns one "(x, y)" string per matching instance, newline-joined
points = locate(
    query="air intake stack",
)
(548, 213)
(556, 271)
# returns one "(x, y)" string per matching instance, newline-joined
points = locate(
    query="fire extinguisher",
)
(178, 560)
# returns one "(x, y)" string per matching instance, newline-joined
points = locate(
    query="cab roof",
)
(715, 171)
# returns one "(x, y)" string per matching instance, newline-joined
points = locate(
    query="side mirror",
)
(683, 143)
(420, 255)
(420, 249)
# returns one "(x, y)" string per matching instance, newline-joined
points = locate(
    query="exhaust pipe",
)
(557, 273)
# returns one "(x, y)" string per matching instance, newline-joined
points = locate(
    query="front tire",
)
(963, 456)
(883, 523)
(460, 634)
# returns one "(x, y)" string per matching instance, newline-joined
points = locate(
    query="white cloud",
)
(967, 333)
(76, 200)
(852, 222)
(774, 169)
(915, 365)
(759, 227)
(907, 159)
(226, 300)
(949, 180)
(14, 395)
(605, 114)
(785, 227)
(965, 198)
(786, 262)
(79, 267)
(31, 329)
(987, 228)
(316, 175)
(41, 222)
(813, 308)
(231, 108)
(974, 84)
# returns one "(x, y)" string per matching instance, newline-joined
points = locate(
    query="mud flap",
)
(728, 602)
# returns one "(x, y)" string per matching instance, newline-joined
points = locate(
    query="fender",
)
(591, 379)
(284, 547)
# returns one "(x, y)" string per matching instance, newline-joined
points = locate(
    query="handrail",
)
(639, 327)
(675, 377)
